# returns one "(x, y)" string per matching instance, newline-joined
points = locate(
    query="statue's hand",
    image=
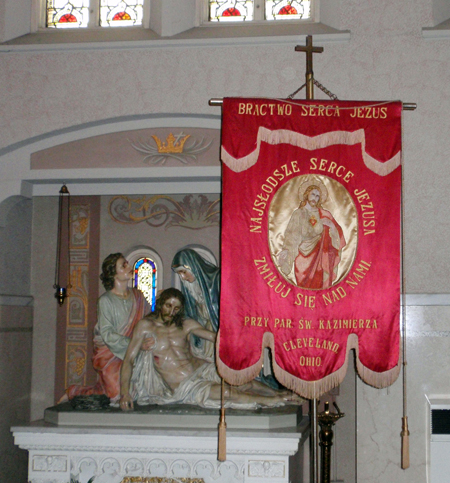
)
(148, 344)
(126, 403)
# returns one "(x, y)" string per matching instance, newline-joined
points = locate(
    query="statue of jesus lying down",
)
(171, 372)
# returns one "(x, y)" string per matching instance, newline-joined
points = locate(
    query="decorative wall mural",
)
(175, 147)
(192, 211)
(76, 318)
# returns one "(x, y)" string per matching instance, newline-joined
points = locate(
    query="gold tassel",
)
(405, 443)
(222, 446)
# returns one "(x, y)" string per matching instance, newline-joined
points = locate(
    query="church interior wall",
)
(16, 325)
(15, 240)
(387, 57)
(441, 11)
(18, 13)
(15, 381)
(45, 226)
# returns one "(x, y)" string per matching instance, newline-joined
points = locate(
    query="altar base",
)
(70, 453)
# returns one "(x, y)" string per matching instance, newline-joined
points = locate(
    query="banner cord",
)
(320, 86)
(299, 102)
(405, 432)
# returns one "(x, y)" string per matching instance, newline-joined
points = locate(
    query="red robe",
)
(323, 259)
(105, 362)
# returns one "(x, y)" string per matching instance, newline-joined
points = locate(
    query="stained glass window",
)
(91, 13)
(67, 14)
(230, 10)
(241, 10)
(121, 13)
(288, 9)
(145, 273)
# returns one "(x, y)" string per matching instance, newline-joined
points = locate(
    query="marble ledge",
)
(203, 36)
(42, 428)
(441, 31)
(424, 299)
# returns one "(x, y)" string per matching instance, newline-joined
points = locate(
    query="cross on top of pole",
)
(310, 50)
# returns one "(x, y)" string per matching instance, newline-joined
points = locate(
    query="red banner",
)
(311, 214)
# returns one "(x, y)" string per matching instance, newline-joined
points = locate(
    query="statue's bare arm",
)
(193, 327)
(140, 333)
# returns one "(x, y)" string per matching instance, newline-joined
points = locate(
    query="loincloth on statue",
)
(148, 387)
(196, 388)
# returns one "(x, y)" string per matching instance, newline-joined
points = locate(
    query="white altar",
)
(107, 449)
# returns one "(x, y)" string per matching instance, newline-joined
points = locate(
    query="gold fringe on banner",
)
(307, 389)
(284, 136)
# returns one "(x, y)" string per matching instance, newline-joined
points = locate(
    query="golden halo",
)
(313, 180)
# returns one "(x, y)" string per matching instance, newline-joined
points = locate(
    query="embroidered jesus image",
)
(308, 251)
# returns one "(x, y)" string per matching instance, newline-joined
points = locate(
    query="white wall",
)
(441, 11)
(380, 411)
(16, 19)
(16, 325)
(165, 23)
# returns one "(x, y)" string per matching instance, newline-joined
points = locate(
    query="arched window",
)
(90, 13)
(147, 272)
(145, 278)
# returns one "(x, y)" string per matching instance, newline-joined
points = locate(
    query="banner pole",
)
(218, 101)
(314, 424)
(314, 419)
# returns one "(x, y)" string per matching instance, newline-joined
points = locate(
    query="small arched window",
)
(145, 278)
(147, 272)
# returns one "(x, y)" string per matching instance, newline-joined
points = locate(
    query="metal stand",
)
(326, 421)
(314, 457)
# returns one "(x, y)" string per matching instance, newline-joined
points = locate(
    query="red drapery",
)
(310, 241)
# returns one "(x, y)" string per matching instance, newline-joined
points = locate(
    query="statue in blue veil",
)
(200, 284)
(201, 288)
